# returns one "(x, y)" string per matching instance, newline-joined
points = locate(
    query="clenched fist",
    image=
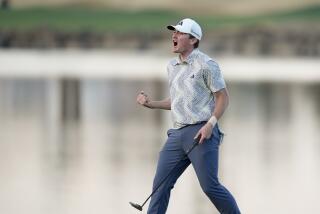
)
(143, 99)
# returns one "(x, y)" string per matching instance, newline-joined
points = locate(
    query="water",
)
(96, 161)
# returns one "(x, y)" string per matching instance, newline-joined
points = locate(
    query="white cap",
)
(188, 26)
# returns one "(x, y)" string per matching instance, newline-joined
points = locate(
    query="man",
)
(198, 98)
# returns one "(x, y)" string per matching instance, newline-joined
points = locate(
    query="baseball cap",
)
(187, 26)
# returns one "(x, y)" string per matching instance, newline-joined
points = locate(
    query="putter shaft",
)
(139, 207)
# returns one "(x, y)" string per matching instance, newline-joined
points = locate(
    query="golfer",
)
(198, 99)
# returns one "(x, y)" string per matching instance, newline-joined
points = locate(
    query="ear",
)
(193, 41)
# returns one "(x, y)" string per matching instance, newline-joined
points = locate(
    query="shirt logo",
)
(192, 76)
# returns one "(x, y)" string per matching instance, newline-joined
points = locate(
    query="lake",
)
(73, 139)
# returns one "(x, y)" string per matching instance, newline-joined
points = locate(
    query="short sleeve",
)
(213, 76)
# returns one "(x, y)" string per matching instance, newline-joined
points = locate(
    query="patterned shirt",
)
(192, 83)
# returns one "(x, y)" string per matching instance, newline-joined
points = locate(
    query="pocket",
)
(215, 136)
(221, 135)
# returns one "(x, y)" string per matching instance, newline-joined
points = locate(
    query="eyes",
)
(177, 33)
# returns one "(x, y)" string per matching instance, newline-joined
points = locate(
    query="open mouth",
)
(175, 44)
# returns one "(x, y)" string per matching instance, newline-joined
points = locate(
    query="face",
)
(182, 43)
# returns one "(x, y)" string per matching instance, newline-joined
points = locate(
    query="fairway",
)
(75, 19)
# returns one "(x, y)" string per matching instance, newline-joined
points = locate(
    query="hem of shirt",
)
(190, 124)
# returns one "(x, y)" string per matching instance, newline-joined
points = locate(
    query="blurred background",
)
(73, 139)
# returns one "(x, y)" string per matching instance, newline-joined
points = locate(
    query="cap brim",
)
(177, 28)
(171, 27)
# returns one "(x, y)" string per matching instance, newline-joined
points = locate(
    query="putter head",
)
(137, 206)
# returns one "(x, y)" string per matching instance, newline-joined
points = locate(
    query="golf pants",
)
(204, 159)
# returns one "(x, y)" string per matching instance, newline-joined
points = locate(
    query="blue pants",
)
(204, 159)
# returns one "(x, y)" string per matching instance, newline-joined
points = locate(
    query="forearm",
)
(221, 104)
(162, 104)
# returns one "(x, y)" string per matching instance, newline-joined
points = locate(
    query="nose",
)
(174, 34)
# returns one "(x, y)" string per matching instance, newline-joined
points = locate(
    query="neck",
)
(184, 55)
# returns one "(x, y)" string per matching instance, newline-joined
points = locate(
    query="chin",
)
(174, 50)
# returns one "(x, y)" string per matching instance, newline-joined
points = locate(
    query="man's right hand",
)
(143, 99)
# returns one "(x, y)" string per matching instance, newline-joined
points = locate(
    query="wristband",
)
(213, 120)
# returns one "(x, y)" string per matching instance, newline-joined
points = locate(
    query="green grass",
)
(105, 20)
(78, 19)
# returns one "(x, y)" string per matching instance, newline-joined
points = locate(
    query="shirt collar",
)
(189, 59)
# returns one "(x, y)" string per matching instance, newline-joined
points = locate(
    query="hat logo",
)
(180, 23)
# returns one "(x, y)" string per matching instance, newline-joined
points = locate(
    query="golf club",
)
(139, 207)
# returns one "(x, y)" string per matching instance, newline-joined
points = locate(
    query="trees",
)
(4, 4)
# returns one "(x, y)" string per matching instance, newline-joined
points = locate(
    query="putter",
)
(139, 207)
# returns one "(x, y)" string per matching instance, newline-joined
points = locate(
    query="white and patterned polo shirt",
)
(192, 83)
